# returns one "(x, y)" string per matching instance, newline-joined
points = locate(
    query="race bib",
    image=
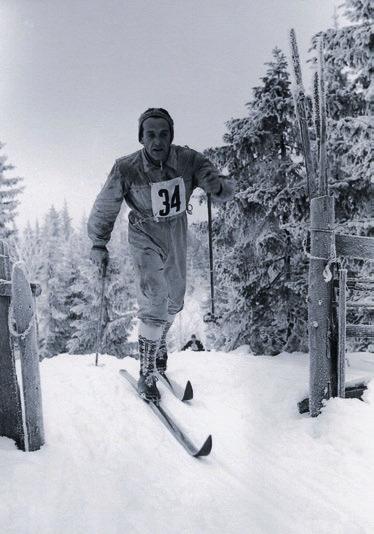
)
(169, 197)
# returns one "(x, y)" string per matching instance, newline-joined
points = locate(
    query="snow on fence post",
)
(10, 400)
(322, 378)
(25, 332)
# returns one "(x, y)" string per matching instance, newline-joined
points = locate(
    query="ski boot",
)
(147, 387)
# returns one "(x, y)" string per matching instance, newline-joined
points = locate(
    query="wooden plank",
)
(360, 305)
(356, 305)
(360, 330)
(10, 401)
(359, 280)
(358, 284)
(23, 309)
(354, 246)
(351, 392)
(342, 314)
(6, 288)
(323, 361)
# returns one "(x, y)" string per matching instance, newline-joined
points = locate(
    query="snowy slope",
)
(109, 467)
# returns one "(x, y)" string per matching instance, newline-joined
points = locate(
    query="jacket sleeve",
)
(204, 168)
(106, 208)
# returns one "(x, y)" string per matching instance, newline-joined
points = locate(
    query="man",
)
(156, 183)
(194, 344)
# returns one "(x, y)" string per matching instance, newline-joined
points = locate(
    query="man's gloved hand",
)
(99, 255)
(212, 183)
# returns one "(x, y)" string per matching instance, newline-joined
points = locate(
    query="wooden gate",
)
(326, 311)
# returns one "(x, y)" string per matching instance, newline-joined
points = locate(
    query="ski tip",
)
(188, 392)
(206, 448)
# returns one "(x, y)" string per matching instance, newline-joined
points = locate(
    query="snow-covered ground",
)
(110, 467)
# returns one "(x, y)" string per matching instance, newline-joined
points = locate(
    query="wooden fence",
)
(21, 417)
(327, 283)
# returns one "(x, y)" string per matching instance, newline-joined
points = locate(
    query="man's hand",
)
(99, 256)
(212, 183)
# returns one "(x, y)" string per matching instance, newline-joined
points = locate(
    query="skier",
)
(156, 183)
(194, 344)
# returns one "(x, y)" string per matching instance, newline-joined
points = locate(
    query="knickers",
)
(159, 256)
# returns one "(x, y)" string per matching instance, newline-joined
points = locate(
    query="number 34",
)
(175, 201)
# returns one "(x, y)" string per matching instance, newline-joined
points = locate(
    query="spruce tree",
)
(51, 308)
(260, 265)
(119, 297)
(10, 189)
(30, 247)
(349, 96)
(66, 225)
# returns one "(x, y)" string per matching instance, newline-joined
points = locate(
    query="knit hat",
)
(158, 113)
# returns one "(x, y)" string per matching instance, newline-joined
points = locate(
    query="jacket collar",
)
(171, 162)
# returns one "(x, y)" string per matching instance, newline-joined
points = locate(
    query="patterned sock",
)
(162, 349)
(147, 351)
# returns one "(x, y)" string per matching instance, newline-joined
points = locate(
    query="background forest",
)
(260, 238)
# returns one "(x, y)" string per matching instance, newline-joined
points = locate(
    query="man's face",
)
(156, 138)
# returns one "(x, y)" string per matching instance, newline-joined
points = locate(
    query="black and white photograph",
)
(186, 267)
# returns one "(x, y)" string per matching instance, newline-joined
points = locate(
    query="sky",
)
(76, 74)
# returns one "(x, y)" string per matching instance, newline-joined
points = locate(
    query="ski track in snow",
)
(110, 467)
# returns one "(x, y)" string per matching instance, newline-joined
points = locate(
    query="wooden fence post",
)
(24, 318)
(322, 367)
(10, 401)
(342, 313)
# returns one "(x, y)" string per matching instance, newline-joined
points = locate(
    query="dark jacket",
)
(195, 345)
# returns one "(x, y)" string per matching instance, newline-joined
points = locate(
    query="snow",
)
(110, 467)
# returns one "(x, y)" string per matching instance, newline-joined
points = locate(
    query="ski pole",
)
(99, 329)
(211, 255)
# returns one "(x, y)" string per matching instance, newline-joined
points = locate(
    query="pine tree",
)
(49, 312)
(119, 297)
(30, 247)
(258, 236)
(10, 189)
(349, 97)
(66, 226)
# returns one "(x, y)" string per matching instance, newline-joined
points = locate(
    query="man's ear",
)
(141, 141)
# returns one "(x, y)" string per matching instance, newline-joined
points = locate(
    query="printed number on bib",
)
(168, 198)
